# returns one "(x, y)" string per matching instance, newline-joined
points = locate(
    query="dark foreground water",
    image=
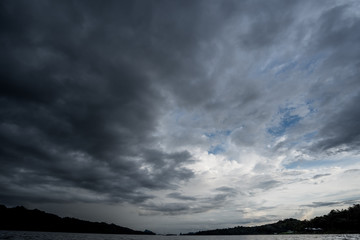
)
(84, 236)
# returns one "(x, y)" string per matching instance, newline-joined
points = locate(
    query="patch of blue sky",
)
(310, 104)
(287, 120)
(218, 133)
(290, 120)
(217, 149)
(210, 135)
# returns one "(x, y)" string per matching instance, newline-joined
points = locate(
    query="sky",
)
(179, 116)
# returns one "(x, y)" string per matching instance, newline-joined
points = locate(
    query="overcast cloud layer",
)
(180, 115)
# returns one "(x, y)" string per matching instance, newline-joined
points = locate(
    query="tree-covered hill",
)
(337, 221)
(20, 218)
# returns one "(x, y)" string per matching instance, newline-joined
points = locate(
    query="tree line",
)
(20, 218)
(337, 221)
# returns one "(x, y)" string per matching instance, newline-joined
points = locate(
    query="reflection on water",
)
(17, 235)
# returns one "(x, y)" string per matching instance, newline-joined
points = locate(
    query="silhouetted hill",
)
(20, 218)
(344, 221)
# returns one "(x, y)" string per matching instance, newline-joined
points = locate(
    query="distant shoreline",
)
(335, 222)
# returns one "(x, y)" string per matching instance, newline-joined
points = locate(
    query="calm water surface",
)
(83, 236)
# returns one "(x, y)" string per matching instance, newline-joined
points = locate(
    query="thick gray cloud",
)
(339, 90)
(75, 109)
(321, 175)
(179, 196)
(191, 205)
(179, 107)
(322, 204)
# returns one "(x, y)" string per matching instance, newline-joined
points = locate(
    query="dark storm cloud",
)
(338, 203)
(178, 208)
(90, 95)
(338, 35)
(342, 131)
(269, 26)
(180, 196)
(322, 204)
(78, 104)
(190, 204)
(225, 193)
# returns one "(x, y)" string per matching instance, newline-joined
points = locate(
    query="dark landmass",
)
(337, 222)
(22, 219)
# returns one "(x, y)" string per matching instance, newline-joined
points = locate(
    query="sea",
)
(20, 235)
